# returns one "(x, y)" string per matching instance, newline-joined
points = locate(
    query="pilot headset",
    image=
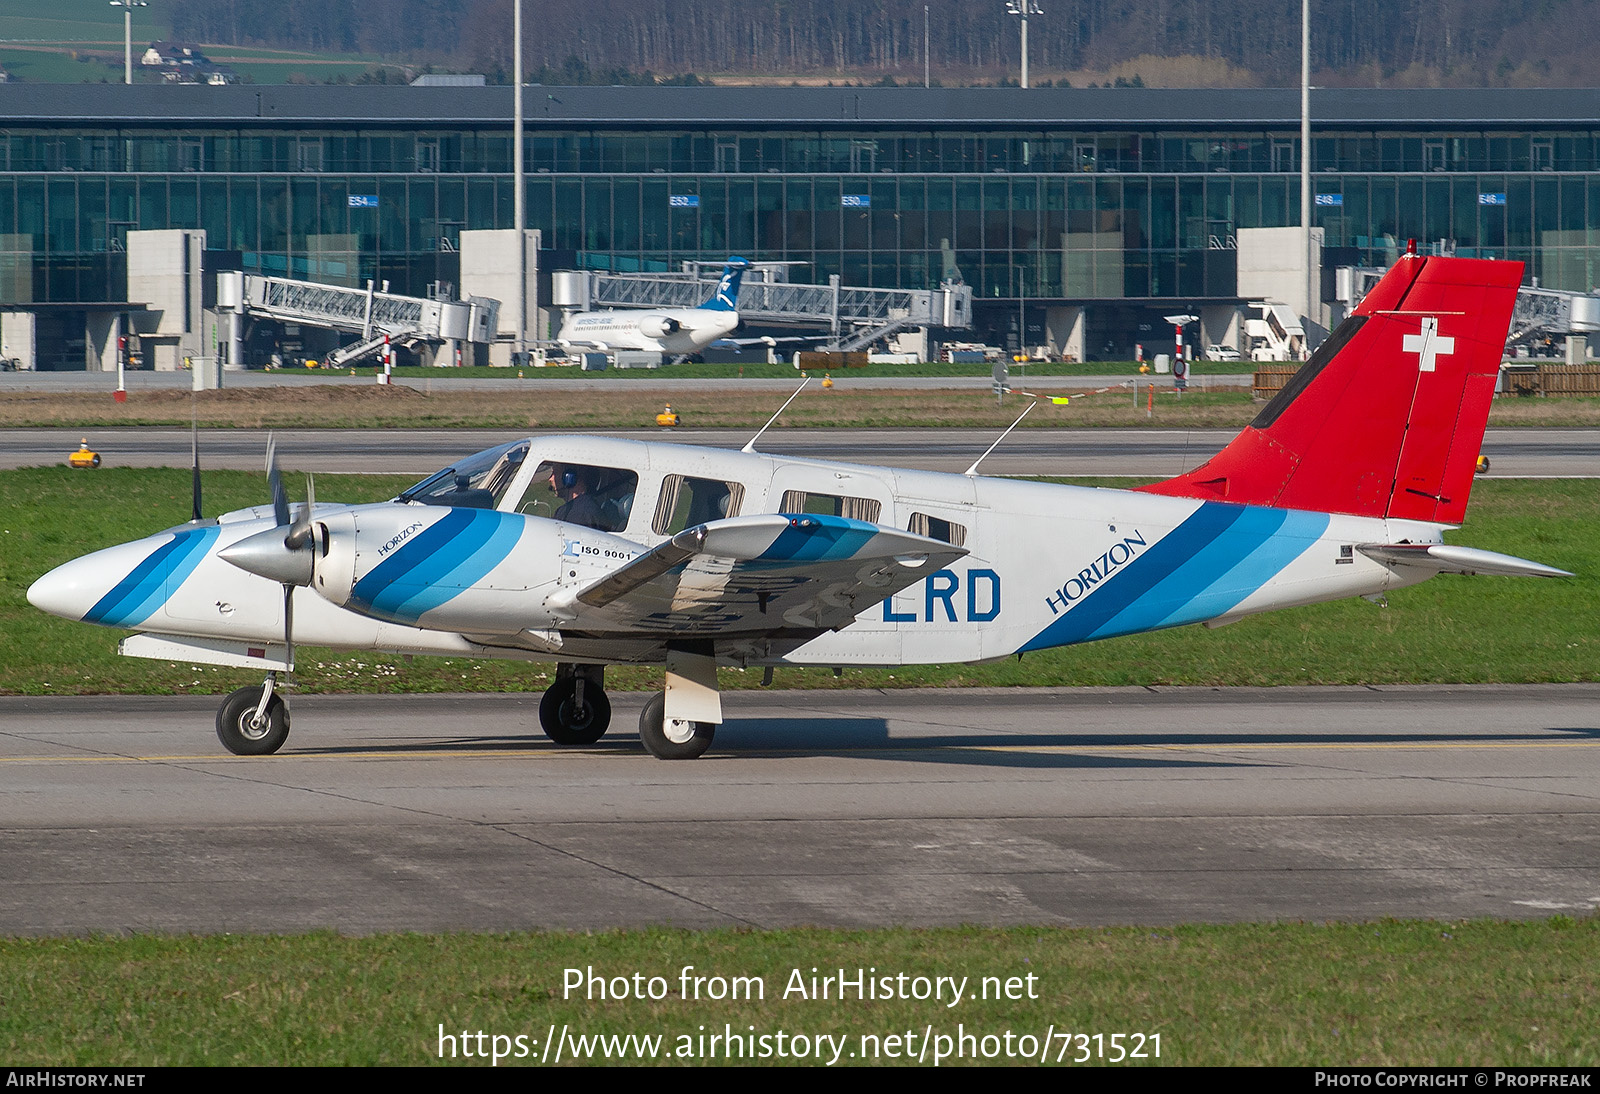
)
(568, 479)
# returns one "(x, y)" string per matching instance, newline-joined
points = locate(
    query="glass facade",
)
(1047, 215)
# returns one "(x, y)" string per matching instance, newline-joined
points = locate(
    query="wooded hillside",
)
(1454, 42)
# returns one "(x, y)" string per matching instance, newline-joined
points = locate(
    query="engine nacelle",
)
(659, 326)
(471, 570)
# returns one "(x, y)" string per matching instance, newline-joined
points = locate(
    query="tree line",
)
(1366, 41)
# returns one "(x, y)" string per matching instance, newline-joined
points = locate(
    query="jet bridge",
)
(855, 317)
(377, 316)
(1537, 313)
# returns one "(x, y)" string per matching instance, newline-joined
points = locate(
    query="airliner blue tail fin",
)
(726, 296)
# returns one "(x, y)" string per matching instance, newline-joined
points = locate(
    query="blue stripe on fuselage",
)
(1201, 569)
(819, 537)
(438, 564)
(146, 587)
(1283, 536)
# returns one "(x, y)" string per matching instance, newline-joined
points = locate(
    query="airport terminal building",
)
(1081, 215)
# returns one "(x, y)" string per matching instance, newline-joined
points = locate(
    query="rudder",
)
(1387, 417)
(725, 297)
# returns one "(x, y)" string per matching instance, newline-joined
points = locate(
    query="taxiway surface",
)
(847, 808)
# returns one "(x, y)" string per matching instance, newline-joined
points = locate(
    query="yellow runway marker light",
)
(84, 456)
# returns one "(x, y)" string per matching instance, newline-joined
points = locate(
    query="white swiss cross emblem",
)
(1428, 346)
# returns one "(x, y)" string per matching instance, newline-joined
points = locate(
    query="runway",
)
(842, 808)
(1513, 453)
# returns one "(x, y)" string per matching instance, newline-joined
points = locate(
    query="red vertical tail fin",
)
(1387, 417)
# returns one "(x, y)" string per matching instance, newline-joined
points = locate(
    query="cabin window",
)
(580, 493)
(938, 528)
(833, 505)
(686, 502)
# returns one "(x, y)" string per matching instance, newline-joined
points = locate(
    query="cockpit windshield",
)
(477, 482)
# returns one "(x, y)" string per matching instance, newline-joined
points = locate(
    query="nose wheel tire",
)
(672, 739)
(242, 734)
(564, 723)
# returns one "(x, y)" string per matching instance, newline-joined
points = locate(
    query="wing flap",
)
(1444, 558)
(767, 574)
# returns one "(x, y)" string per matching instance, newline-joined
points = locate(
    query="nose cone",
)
(122, 586)
(266, 555)
(71, 590)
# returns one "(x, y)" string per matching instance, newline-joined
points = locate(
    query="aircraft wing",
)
(796, 339)
(758, 575)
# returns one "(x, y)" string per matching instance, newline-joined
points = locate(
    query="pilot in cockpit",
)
(575, 487)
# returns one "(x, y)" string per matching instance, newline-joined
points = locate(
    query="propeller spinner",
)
(284, 553)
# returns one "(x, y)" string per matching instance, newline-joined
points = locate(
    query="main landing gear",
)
(679, 723)
(254, 721)
(672, 738)
(575, 710)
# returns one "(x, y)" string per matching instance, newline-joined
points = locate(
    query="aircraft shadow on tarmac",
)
(870, 737)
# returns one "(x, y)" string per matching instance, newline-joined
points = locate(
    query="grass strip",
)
(536, 406)
(720, 404)
(1387, 993)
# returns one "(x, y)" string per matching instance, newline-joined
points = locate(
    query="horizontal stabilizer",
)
(1443, 558)
(765, 574)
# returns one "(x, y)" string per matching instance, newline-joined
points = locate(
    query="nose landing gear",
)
(254, 721)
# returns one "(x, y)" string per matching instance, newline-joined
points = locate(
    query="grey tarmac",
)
(840, 808)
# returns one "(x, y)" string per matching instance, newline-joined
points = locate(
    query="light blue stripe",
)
(1085, 619)
(139, 595)
(439, 564)
(1169, 601)
(821, 538)
(1299, 531)
(503, 536)
(374, 590)
(1202, 569)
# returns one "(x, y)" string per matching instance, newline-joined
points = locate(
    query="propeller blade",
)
(195, 485)
(194, 452)
(300, 532)
(280, 499)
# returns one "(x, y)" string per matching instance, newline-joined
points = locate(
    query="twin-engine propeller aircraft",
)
(1343, 485)
(681, 331)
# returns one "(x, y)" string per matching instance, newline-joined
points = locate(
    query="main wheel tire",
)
(557, 716)
(678, 740)
(237, 728)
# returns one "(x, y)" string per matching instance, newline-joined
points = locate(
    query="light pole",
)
(1022, 318)
(1024, 8)
(127, 7)
(1305, 155)
(518, 203)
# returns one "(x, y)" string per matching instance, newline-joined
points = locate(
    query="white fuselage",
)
(667, 330)
(1047, 565)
